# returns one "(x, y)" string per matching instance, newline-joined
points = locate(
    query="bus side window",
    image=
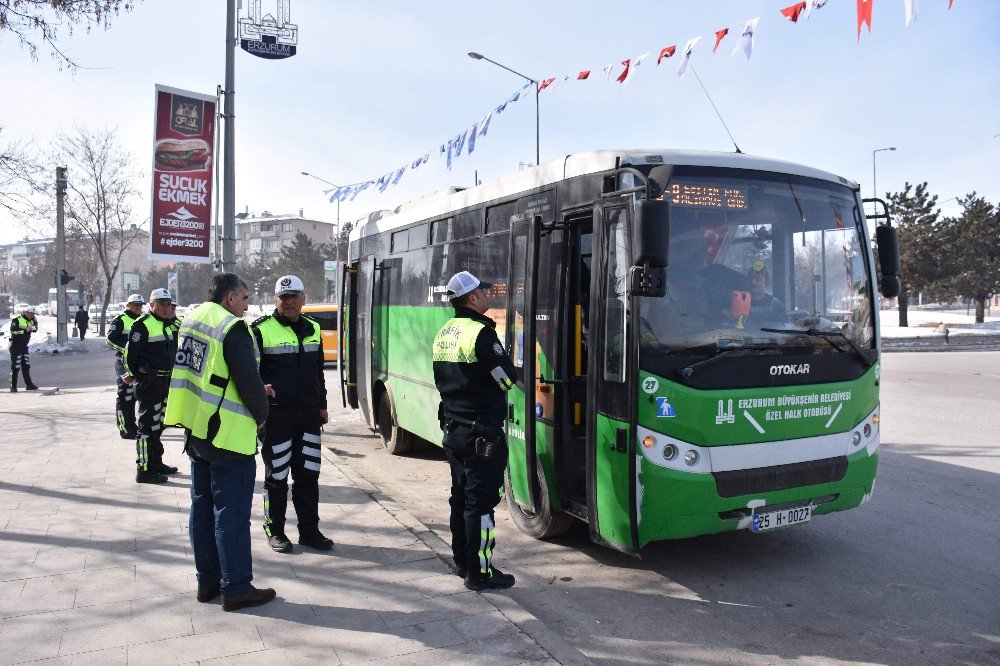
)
(615, 315)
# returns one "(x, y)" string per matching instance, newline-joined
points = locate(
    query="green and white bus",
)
(661, 393)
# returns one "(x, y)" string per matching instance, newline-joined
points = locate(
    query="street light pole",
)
(336, 247)
(877, 150)
(229, 156)
(480, 56)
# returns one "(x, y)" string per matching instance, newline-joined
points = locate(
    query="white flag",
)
(813, 4)
(686, 56)
(745, 41)
(635, 66)
(912, 7)
(608, 69)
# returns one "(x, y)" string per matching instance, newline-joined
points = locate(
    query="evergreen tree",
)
(918, 221)
(304, 258)
(972, 244)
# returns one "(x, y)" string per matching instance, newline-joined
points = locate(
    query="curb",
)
(535, 629)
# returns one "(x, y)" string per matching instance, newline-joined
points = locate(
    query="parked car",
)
(43, 309)
(114, 309)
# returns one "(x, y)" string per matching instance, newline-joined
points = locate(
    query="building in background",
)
(266, 234)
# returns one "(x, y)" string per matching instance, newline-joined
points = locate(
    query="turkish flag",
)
(666, 53)
(545, 84)
(793, 12)
(865, 15)
(582, 75)
(719, 34)
(624, 75)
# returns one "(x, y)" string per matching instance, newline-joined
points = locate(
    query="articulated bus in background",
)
(662, 391)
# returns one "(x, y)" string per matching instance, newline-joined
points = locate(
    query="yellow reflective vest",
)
(203, 398)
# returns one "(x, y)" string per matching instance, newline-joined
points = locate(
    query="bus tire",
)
(544, 524)
(394, 438)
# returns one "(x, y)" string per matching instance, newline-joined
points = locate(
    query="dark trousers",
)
(219, 525)
(20, 364)
(125, 403)
(291, 448)
(476, 484)
(151, 396)
(82, 330)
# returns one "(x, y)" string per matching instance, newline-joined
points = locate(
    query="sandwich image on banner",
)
(181, 155)
(686, 56)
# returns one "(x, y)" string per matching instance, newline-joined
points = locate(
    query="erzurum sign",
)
(180, 227)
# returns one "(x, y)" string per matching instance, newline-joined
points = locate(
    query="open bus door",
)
(347, 300)
(612, 512)
(357, 382)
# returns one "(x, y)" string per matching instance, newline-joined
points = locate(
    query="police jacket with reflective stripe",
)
(291, 360)
(20, 332)
(119, 329)
(152, 344)
(471, 369)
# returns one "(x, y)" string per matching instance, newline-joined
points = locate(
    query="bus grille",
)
(780, 477)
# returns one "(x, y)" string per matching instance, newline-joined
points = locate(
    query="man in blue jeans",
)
(217, 395)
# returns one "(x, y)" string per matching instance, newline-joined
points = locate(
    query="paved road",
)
(911, 577)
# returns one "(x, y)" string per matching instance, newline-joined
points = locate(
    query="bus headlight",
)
(867, 430)
(669, 452)
(691, 457)
(855, 438)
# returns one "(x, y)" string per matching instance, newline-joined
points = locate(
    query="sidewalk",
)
(96, 568)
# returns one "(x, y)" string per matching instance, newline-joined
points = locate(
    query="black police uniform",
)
(473, 404)
(149, 357)
(292, 432)
(118, 332)
(20, 333)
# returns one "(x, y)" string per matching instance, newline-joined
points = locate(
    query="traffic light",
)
(65, 278)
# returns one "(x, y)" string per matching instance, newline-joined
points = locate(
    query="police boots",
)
(494, 580)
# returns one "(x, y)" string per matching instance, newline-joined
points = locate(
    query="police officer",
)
(291, 362)
(21, 328)
(118, 333)
(217, 396)
(472, 372)
(149, 357)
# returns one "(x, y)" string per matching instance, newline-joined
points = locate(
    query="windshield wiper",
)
(720, 353)
(825, 335)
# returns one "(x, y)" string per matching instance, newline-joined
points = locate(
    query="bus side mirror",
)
(652, 233)
(890, 286)
(648, 276)
(887, 239)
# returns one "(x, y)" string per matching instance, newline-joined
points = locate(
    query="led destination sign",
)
(709, 196)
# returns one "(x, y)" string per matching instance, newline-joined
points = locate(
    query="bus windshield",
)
(771, 263)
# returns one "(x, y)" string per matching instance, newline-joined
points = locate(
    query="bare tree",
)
(100, 195)
(18, 172)
(34, 21)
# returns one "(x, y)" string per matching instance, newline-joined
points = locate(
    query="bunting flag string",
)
(745, 43)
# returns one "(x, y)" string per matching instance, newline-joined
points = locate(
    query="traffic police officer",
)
(118, 333)
(472, 373)
(292, 364)
(149, 357)
(21, 328)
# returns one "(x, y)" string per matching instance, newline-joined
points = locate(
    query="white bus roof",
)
(452, 199)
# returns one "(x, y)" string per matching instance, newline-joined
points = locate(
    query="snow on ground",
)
(924, 322)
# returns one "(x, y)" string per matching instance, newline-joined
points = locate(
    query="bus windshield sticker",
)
(664, 410)
(650, 385)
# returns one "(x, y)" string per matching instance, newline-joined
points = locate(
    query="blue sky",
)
(376, 84)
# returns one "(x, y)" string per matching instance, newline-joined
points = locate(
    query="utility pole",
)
(229, 178)
(61, 315)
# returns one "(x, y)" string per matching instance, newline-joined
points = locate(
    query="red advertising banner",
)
(180, 226)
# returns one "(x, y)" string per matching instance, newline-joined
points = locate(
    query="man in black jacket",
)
(149, 357)
(472, 373)
(291, 362)
(82, 320)
(118, 332)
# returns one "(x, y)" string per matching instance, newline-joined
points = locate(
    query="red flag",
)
(624, 75)
(793, 12)
(949, 3)
(838, 220)
(719, 34)
(582, 75)
(666, 53)
(865, 15)
(545, 84)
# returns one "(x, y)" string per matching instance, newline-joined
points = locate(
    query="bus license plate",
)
(770, 521)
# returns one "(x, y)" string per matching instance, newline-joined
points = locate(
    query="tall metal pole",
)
(61, 314)
(537, 130)
(874, 185)
(229, 179)
(538, 89)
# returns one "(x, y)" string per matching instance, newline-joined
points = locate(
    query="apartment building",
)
(266, 233)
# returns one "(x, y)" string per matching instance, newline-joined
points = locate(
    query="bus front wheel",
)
(543, 524)
(396, 440)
